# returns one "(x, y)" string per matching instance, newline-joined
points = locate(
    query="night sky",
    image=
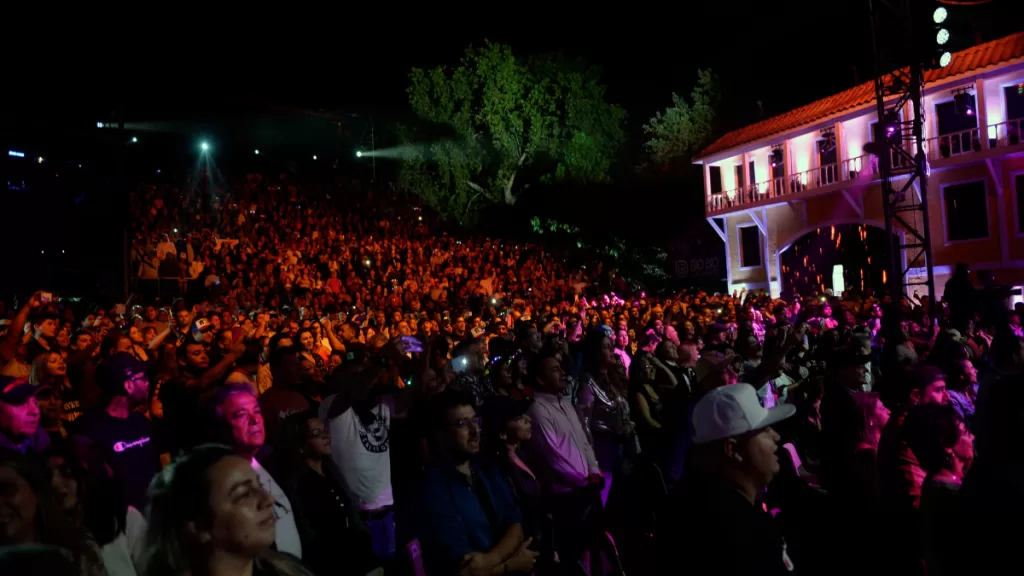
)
(781, 54)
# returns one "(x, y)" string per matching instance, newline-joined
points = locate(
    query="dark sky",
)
(782, 54)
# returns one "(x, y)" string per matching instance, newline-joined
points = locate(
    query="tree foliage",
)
(495, 123)
(685, 127)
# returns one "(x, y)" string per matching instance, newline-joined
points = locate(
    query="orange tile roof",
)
(969, 60)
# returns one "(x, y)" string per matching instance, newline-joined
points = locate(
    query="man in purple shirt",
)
(562, 456)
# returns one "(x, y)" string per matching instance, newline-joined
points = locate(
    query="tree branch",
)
(510, 199)
(475, 186)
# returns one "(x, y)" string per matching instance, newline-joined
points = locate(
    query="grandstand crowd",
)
(336, 387)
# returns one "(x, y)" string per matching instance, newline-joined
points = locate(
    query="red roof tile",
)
(969, 60)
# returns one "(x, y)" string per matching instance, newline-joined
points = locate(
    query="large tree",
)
(684, 127)
(495, 123)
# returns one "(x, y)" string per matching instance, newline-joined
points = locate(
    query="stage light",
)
(99, 124)
(39, 160)
(257, 152)
(134, 139)
(963, 103)
(942, 36)
(776, 157)
(940, 14)
(15, 153)
(945, 59)
(314, 156)
(204, 146)
(359, 153)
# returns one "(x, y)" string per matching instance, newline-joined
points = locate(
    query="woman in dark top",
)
(646, 404)
(334, 540)
(507, 427)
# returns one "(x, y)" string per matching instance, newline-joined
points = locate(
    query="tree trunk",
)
(510, 198)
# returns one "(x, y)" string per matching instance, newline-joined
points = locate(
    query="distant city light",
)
(15, 153)
(134, 139)
(940, 14)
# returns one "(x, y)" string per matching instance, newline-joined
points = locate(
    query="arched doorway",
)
(841, 256)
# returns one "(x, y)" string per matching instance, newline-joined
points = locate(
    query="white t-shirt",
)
(123, 555)
(361, 453)
(286, 536)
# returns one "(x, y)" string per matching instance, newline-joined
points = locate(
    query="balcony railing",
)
(1005, 133)
(813, 178)
(954, 144)
(865, 165)
(774, 188)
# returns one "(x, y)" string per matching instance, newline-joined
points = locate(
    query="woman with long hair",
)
(33, 515)
(603, 407)
(209, 515)
(307, 346)
(50, 370)
(330, 527)
(93, 504)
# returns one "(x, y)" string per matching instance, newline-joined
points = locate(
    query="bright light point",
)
(942, 37)
(204, 146)
(940, 14)
(61, 251)
(42, 251)
(15, 153)
(134, 139)
(314, 156)
(420, 218)
(945, 59)
(359, 153)
(99, 124)
(40, 159)
(175, 230)
(257, 152)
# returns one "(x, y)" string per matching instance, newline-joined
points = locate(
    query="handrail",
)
(1006, 133)
(953, 144)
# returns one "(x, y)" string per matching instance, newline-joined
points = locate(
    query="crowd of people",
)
(342, 389)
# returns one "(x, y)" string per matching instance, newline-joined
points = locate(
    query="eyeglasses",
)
(464, 423)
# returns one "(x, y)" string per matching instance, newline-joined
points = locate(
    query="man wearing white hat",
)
(718, 511)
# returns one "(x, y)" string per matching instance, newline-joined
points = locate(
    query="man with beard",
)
(469, 522)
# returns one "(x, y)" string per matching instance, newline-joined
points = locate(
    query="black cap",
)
(113, 372)
(16, 391)
(498, 410)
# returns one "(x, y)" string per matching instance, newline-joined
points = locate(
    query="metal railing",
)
(1005, 134)
(813, 178)
(953, 144)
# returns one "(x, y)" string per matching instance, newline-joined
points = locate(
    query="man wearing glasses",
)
(469, 524)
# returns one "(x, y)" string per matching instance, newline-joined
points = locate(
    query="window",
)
(715, 174)
(752, 176)
(827, 161)
(1018, 186)
(750, 246)
(954, 128)
(966, 211)
(1014, 98)
(740, 184)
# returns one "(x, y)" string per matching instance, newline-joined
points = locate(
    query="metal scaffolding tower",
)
(900, 147)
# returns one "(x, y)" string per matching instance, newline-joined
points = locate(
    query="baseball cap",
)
(712, 362)
(113, 372)
(497, 410)
(731, 411)
(16, 391)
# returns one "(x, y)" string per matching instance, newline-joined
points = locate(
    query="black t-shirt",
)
(722, 533)
(129, 449)
(183, 404)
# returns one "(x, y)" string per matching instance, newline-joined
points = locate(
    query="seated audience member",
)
(334, 538)
(19, 417)
(468, 521)
(718, 511)
(95, 506)
(239, 424)
(944, 447)
(209, 514)
(30, 515)
(121, 435)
